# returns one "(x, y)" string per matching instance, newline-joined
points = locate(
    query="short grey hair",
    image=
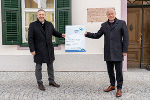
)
(112, 9)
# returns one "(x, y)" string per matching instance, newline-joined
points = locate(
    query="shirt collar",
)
(112, 21)
(41, 22)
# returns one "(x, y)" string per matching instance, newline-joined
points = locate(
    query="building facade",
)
(15, 16)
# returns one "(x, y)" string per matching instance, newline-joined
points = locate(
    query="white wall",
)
(22, 61)
(79, 17)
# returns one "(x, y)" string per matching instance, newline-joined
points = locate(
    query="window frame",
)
(24, 10)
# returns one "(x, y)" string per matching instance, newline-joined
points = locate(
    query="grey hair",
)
(112, 9)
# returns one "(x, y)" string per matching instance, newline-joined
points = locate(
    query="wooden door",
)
(134, 23)
(146, 37)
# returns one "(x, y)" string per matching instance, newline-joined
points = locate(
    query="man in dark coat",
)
(41, 47)
(115, 48)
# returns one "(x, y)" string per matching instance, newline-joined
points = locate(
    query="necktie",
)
(111, 25)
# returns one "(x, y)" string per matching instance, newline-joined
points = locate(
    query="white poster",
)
(75, 39)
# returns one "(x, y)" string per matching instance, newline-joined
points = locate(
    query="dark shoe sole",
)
(42, 89)
(54, 86)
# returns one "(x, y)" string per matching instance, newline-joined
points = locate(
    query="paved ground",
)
(74, 86)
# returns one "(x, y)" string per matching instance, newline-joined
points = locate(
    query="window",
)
(29, 9)
(18, 14)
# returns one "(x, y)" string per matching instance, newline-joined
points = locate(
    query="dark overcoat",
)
(40, 41)
(115, 39)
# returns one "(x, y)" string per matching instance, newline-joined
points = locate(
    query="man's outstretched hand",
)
(85, 33)
(63, 35)
(33, 53)
(124, 54)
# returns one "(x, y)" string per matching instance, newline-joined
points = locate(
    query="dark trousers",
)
(50, 71)
(119, 75)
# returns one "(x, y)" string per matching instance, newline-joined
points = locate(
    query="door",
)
(146, 37)
(134, 23)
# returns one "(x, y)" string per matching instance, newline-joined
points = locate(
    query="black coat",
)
(115, 39)
(40, 41)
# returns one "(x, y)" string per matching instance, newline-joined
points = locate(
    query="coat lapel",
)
(108, 26)
(46, 27)
(113, 27)
(40, 27)
(116, 23)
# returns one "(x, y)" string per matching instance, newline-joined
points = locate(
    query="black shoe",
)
(148, 67)
(54, 84)
(41, 87)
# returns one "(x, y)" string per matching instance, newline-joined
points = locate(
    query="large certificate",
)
(75, 39)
